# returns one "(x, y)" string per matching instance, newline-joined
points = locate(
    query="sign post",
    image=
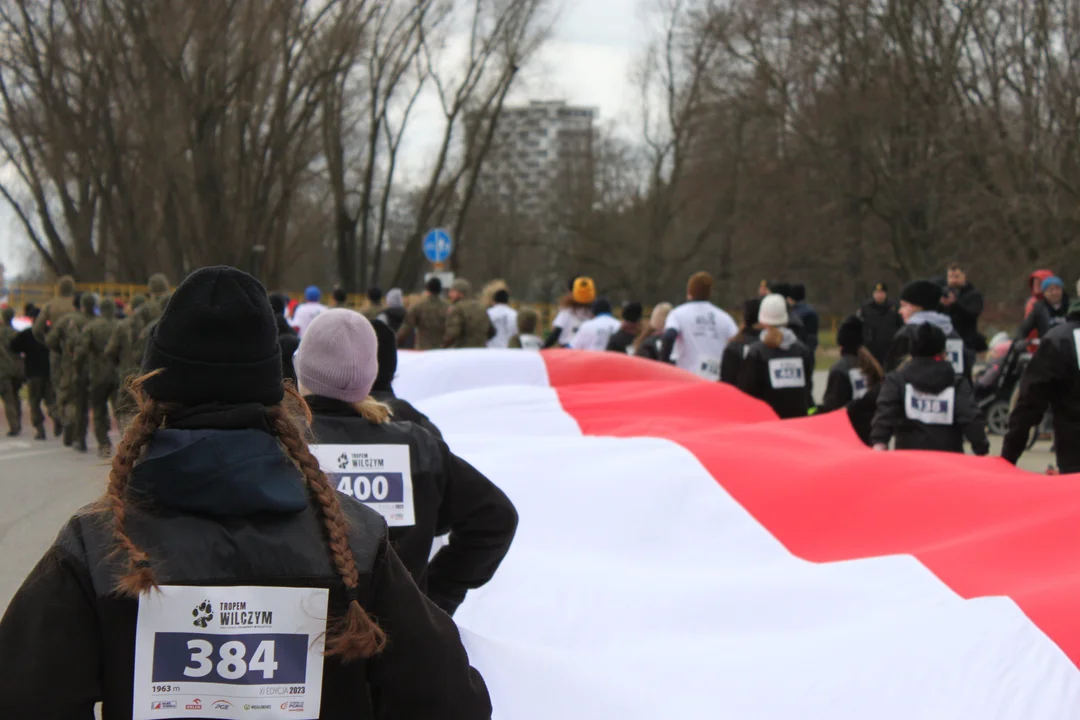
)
(438, 246)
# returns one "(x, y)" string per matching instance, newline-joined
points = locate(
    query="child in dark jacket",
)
(855, 379)
(925, 404)
(739, 347)
(777, 366)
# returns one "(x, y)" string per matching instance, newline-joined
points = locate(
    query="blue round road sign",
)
(438, 245)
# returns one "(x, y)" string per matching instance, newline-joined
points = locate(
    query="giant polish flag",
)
(683, 554)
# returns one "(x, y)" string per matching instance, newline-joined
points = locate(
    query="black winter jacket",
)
(734, 354)
(901, 346)
(811, 323)
(965, 314)
(405, 411)
(845, 382)
(927, 406)
(778, 375)
(623, 339)
(880, 325)
(223, 508)
(449, 496)
(650, 346)
(394, 317)
(861, 413)
(35, 354)
(1052, 380)
(1043, 318)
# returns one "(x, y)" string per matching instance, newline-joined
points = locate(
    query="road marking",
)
(11, 445)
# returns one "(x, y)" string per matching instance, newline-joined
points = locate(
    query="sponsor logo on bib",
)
(954, 351)
(930, 408)
(858, 383)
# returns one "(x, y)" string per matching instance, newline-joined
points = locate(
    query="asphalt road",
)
(42, 484)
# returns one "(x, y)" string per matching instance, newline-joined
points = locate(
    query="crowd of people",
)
(221, 390)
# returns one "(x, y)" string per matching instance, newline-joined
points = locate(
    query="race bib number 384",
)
(380, 476)
(250, 652)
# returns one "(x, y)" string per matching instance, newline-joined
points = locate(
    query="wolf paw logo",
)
(203, 614)
(343, 461)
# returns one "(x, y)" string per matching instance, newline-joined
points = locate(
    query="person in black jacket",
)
(287, 337)
(881, 321)
(1052, 380)
(963, 304)
(848, 379)
(739, 346)
(1049, 312)
(925, 404)
(394, 312)
(383, 389)
(36, 364)
(648, 344)
(776, 367)
(623, 339)
(217, 515)
(920, 304)
(427, 491)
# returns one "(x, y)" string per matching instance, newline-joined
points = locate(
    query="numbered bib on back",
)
(1076, 339)
(380, 476)
(531, 342)
(954, 351)
(930, 408)
(858, 383)
(709, 368)
(786, 373)
(251, 652)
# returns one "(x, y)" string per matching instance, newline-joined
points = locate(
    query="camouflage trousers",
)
(9, 394)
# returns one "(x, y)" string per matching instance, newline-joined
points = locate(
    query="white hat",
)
(773, 311)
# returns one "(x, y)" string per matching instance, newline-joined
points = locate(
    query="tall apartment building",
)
(534, 145)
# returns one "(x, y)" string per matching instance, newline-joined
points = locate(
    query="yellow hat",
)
(584, 291)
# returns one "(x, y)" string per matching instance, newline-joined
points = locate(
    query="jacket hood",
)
(220, 472)
(787, 338)
(934, 318)
(1039, 275)
(929, 374)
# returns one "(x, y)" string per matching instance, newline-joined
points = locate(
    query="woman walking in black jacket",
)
(925, 404)
(777, 366)
(221, 570)
(407, 474)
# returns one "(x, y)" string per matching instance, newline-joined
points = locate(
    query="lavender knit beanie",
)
(338, 356)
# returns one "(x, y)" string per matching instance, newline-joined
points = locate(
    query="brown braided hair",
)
(356, 635)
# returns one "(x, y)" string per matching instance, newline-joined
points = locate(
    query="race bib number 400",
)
(930, 408)
(214, 652)
(380, 476)
(786, 373)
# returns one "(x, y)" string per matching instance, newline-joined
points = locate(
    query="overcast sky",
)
(588, 62)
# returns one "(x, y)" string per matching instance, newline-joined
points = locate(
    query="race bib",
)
(786, 373)
(709, 368)
(858, 383)
(214, 652)
(1076, 339)
(930, 408)
(380, 476)
(745, 350)
(954, 351)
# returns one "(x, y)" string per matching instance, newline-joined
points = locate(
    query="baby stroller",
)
(996, 385)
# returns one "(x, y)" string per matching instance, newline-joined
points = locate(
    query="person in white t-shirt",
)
(594, 334)
(503, 318)
(574, 309)
(698, 331)
(308, 311)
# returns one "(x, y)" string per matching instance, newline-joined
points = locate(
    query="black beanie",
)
(632, 312)
(924, 293)
(601, 307)
(850, 335)
(927, 340)
(278, 303)
(387, 356)
(216, 342)
(798, 292)
(750, 313)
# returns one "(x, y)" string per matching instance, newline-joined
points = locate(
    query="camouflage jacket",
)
(93, 341)
(63, 338)
(138, 348)
(51, 313)
(428, 318)
(10, 365)
(467, 325)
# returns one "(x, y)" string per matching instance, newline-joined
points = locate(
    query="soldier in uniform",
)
(50, 314)
(118, 351)
(73, 386)
(467, 324)
(427, 318)
(138, 348)
(150, 310)
(101, 372)
(10, 374)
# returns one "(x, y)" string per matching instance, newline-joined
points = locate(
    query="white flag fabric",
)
(682, 553)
